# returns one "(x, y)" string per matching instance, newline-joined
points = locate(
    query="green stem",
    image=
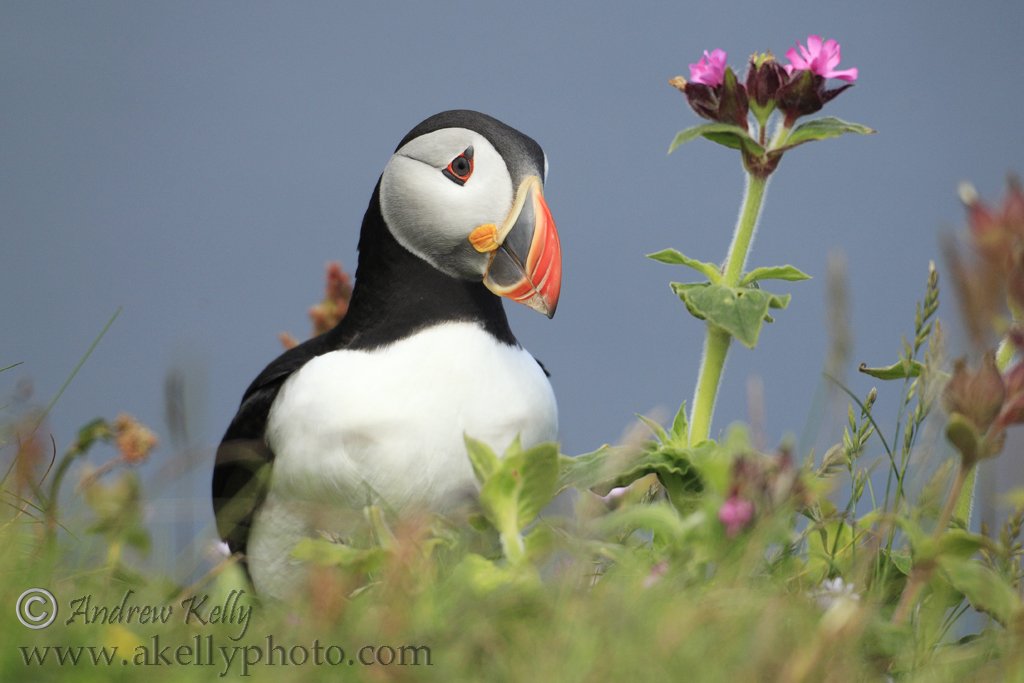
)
(922, 572)
(716, 347)
(965, 501)
(51, 502)
(716, 343)
(746, 226)
(513, 546)
(963, 473)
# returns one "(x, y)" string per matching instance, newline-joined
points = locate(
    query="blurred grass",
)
(636, 585)
(648, 616)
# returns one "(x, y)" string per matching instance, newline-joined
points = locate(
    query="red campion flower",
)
(818, 57)
(713, 91)
(710, 69)
(736, 514)
(805, 92)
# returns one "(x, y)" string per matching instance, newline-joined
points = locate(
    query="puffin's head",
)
(464, 192)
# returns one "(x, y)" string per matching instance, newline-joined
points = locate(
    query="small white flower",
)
(832, 591)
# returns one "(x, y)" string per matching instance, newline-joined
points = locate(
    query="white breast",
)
(386, 427)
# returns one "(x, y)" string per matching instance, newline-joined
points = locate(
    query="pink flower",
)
(710, 70)
(735, 514)
(820, 58)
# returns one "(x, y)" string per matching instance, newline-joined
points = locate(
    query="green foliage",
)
(515, 488)
(675, 546)
(986, 590)
(787, 272)
(674, 257)
(740, 311)
(736, 137)
(761, 159)
(820, 129)
(904, 369)
(645, 562)
(726, 134)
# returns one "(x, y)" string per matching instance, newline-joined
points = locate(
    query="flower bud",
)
(978, 395)
(764, 78)
(996, 231)
(736, 514)
(724, 101)
(804, 93)
(701, 98)
(733, 105)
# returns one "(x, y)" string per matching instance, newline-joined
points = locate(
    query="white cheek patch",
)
(432, 216)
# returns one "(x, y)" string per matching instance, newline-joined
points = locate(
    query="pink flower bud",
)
(764, 78)
(736, 513)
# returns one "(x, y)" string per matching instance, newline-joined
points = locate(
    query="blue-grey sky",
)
(198, 163)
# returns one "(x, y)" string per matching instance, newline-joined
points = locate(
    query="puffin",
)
(376, 410)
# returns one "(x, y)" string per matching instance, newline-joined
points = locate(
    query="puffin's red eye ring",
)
(461, 167)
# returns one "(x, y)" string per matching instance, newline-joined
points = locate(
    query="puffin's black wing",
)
(242, 468)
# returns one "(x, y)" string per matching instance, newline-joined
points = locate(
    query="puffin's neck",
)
(396, 293)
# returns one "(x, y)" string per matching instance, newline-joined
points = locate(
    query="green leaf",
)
(730, 140)
(830, 548)
(591, 470)
(663, 462)
(680, 426)
(821, 129)
(986, 590)
(656, 428)
(962, 544)
(740, 311)
(901, 560)
(662, 520)
(611, 467)
(537, 474)
(674, 257)
(327, 553)
(483, 576)
(919, 541)
(898, 370)
(727, 134)
(515, 488)
(774, 273)
(519, 487)
(499, 500)
(483, 459)
(541, 542)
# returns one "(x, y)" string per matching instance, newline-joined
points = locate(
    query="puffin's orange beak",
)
(526, 259)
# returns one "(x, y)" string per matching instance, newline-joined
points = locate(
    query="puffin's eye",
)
(461, 167)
